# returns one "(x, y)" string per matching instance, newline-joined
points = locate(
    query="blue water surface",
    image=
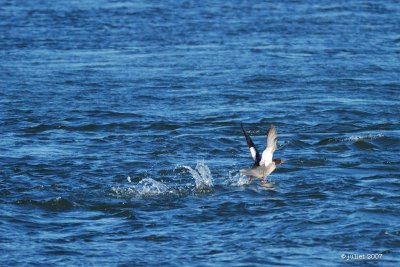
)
(121, 142)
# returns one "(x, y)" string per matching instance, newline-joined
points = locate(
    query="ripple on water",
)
(364, 145)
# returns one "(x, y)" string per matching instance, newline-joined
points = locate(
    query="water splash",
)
(146, 187)
(122, 192)
(149, 186)
(237, 179)
(201, 175)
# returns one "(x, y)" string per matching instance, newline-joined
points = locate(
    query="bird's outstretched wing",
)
(253, 150)
(272, 138)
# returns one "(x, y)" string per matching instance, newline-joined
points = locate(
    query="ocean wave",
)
(52, 204)
(353, 138)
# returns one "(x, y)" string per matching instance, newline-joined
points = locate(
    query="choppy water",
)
(120, 139)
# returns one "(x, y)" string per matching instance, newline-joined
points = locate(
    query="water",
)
(120, 138)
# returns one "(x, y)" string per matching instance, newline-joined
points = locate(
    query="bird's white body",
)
(260, 171)
(266, 157)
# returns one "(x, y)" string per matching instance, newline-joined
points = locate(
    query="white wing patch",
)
(253, 152)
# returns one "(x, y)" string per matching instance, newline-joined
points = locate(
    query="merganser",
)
(263, 165)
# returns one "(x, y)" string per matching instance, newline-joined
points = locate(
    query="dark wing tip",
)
(248, 138)
(243, 130)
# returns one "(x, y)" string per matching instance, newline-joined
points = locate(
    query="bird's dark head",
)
(278, 161)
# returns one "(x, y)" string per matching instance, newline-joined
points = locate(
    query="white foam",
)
(362, 137)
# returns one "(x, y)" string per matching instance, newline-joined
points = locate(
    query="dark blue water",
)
(120, 138)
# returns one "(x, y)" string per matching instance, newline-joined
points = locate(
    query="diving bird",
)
(264, 165)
